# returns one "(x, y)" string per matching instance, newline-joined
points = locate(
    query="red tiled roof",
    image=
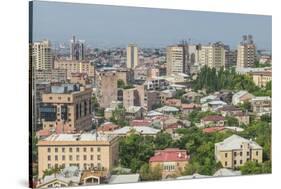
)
(212, 129)
(213, 118)
(108, 127)
(169, 154)
(141, 122)
(43, 133)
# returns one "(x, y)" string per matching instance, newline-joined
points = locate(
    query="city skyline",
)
(165, 26)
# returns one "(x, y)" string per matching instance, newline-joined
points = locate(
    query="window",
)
(235, 153)
(85, 149)
(235, 162)
(98, 149)
(49, 166)
(241, 161)
(92, 149)
(70, 158)
(257, 153)
(225, 155)
(85, 166)
(50, 98)
(49, 150)
(68, 98)
(49, 158)
(98, 157)
(241, 153)
(77, 157)
(248, 153)
(225, 163)
(85, 157)
(92, 157)
(56, 149)
(70, 149)
(63, 150)
(63, 157)
(77, 149)
(56, 158)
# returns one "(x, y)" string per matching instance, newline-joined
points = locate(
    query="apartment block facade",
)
(88, 151)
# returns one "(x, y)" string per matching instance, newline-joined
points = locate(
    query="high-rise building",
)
(246, 52)
(42, 58)
(230, 57)
(132, 56)
(212, 55)
(175, 59)
(77, 49)
(106, 84)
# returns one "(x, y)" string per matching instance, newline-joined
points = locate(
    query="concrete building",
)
(235, 151)
(42, 57)
(175, 59)
(52, 75)
(246, 52)
(106, 84)
(172, 161)
(75, 66)
(212, 55)
(86, 151)
(240, 97)
(261, 78)
(132, 56)
(67, 104)
(77, 49)
(261, 105)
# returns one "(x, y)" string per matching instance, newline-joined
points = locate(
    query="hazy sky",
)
(111, 26)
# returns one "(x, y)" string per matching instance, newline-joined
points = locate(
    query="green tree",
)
(252, 167)
(148, 173)
(119, 116)
(231, 121)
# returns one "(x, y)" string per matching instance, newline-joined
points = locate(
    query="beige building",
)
(69, 105)
(87, 151)
(172, 161)
(261, 105)
(212, 55)
(106, 83)
(246, 53)
(132, 56)
(42, 57)
(75, 66)
(235, 151)
(131, 97)
(52, 75)
(175, 59)
(261, 78)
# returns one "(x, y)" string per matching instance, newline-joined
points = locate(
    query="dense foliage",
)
(118, 116)
(212, 80)
(252, 167)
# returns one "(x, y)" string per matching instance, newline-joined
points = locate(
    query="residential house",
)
(241, 97)
(172, 161)
(141, 130)
(212, 121)
(235, 151)
(261, 105)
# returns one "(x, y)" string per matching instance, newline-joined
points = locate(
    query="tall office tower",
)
(175, 59)
(246, 52)
(212, 55)
(42, 58)
(132, 56)
(106, 84)
(77, 49)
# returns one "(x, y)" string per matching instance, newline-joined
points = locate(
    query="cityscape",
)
(133, 113)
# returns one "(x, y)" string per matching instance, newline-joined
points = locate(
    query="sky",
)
(116, 26)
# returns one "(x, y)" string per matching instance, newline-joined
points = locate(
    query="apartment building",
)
(235, 151)
(246, 52)
(106, 84)
(261, 105)
(67, 104)
(261, 78)
(212, 55)
(132, 56)
(42, 57)
(172, 161)
(92, 150)
(75, 66)
(175, 59)
(51, 75)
